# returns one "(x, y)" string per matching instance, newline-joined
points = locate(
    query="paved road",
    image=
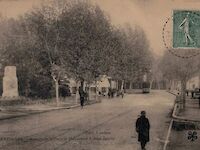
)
(105, 126)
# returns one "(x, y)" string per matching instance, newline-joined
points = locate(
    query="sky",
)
(149, 14)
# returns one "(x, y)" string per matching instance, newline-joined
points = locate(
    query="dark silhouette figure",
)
(82, 96)
(142, 128)
(199, 99)
(112, 93)
(178, 98)
(109, 92)
(192, 93)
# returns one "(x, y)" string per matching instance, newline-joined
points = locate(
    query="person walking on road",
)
(142, 128)
(82, 96)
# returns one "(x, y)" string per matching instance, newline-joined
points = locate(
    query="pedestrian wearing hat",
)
(142, 128)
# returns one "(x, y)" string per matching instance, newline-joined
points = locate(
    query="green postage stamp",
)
(186, 29)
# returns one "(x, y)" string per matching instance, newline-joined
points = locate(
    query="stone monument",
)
(10, 82)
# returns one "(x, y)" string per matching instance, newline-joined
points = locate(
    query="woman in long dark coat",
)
(142, 128)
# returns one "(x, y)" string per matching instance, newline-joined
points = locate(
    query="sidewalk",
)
(9, 112)
(192, 110)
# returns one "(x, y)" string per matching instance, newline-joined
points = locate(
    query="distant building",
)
(103, 84)
(72, 85)
(194, 82)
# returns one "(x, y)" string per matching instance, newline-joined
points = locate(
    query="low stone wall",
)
(179, 126)
(29, 101)
(13, 101)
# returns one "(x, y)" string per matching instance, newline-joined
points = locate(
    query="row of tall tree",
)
(73, 39)
(175, 68)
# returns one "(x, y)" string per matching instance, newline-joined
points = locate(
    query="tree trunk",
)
(130, 85)
(77, 92)
(159, 85)
(122, 85)
(57, 92)
(96, 91)
(27, 90)
(89, 95)
(183, 90)
(117, 84)
(151, 82)
(87, 90)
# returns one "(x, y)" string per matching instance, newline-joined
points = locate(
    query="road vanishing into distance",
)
(109, 125)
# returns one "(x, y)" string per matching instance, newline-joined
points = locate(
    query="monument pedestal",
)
(10, 82)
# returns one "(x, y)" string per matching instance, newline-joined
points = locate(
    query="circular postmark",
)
(181, 33)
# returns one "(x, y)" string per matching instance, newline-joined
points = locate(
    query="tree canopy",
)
(76, 39)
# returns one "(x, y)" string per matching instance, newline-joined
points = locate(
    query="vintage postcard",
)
(99, 75)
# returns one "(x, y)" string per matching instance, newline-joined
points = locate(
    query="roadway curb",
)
(170, 125)
(178, 118)
(182, 119)
(44, 111)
